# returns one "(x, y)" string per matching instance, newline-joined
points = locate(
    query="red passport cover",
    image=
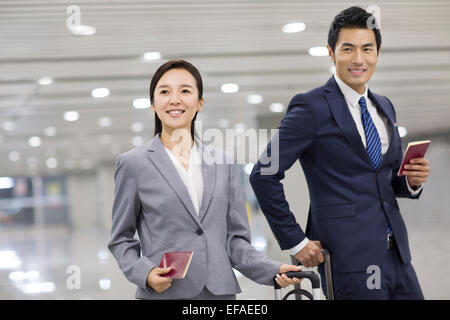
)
(178, 261)
(414, 150)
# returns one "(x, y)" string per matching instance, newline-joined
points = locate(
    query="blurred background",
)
(74, 94)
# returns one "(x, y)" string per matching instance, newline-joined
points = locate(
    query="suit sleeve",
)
(253, 264)
(400, 184)
(295, 135)
(126, 208)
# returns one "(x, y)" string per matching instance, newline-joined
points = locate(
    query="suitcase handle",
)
(311, 275)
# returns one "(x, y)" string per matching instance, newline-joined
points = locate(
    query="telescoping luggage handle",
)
(313, 277)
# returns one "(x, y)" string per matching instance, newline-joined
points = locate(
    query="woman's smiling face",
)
(176, 99)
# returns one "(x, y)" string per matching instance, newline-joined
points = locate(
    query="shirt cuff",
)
(293, 251)
(411, 191)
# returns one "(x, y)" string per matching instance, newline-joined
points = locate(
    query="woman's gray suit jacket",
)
(151, 198)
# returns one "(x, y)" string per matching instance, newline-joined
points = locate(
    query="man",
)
(346, 139)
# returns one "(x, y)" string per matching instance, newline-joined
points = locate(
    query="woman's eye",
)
(186, 91)
(164, 91)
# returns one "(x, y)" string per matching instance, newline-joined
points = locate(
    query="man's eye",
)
(347, 49)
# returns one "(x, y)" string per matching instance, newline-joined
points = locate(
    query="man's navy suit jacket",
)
(351, 203)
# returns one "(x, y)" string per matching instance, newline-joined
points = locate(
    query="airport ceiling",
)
(231, 41)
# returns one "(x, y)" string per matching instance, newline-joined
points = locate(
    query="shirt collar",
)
(351, 96)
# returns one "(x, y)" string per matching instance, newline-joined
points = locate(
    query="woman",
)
(177, 201)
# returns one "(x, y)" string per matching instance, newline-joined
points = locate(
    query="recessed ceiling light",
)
(51, 163)
(402, 131)
(318, 51)
(100, 92)
(31, 162)
(35, 141)
(277, 107)
(151, 56)
(254, 99)
(8, 126)
(229, 88)
(137, 141)
(83, 30)
(45, 81)
(14, 156)
(50, 131)
(71, 116)
(137, 127)
(104, 122)
(293, 27)
(141, 103)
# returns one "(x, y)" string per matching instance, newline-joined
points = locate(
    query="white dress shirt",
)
(380, 121)
(193, 177)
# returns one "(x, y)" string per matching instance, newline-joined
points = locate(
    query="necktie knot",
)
(362, 102)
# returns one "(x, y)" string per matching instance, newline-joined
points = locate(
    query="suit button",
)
(199, 232)
(386, 204)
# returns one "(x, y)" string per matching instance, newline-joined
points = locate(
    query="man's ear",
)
(330, 53)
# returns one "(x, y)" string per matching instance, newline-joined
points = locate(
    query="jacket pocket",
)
(336, 211)
(161, 250)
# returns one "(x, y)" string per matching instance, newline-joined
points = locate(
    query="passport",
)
(178, 261)
(414, 149)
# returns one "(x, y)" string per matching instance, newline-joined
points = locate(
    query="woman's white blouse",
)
(192, 178)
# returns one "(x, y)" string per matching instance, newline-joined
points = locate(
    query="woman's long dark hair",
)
(169, 65)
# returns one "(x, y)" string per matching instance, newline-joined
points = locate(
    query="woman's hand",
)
(157, 282)
(283, 281)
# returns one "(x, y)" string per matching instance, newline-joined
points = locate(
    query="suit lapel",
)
(157, 154)
(209, 177)
(386, 110)
(344, 119)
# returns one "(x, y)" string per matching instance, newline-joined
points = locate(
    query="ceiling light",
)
(104, 122)
(50, 131)
(31, 162)
(141, 103)
(51, 163)
(151, 56)
(8, 126)
(100, 92)
(137, 141)
(35, 141)
(277, 107)
(254, 99)
(6, 182)
(83, 30)
(229, 88)
(14, 156)
(293, 27)
(318, 51)
(71, 116)
(44, 81)
(137, 127)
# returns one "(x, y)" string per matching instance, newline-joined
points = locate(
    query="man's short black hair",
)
(353, 17)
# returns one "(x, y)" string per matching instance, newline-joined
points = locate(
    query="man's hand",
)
(283, 280)
(311, 255)
(157, 282)
(417, 171)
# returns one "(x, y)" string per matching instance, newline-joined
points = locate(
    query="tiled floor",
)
(52, 251)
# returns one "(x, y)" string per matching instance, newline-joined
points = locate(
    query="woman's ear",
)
(200, 104)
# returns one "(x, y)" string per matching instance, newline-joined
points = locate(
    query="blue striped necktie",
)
(373, 143)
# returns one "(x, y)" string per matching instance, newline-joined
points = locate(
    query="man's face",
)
(355, 56)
